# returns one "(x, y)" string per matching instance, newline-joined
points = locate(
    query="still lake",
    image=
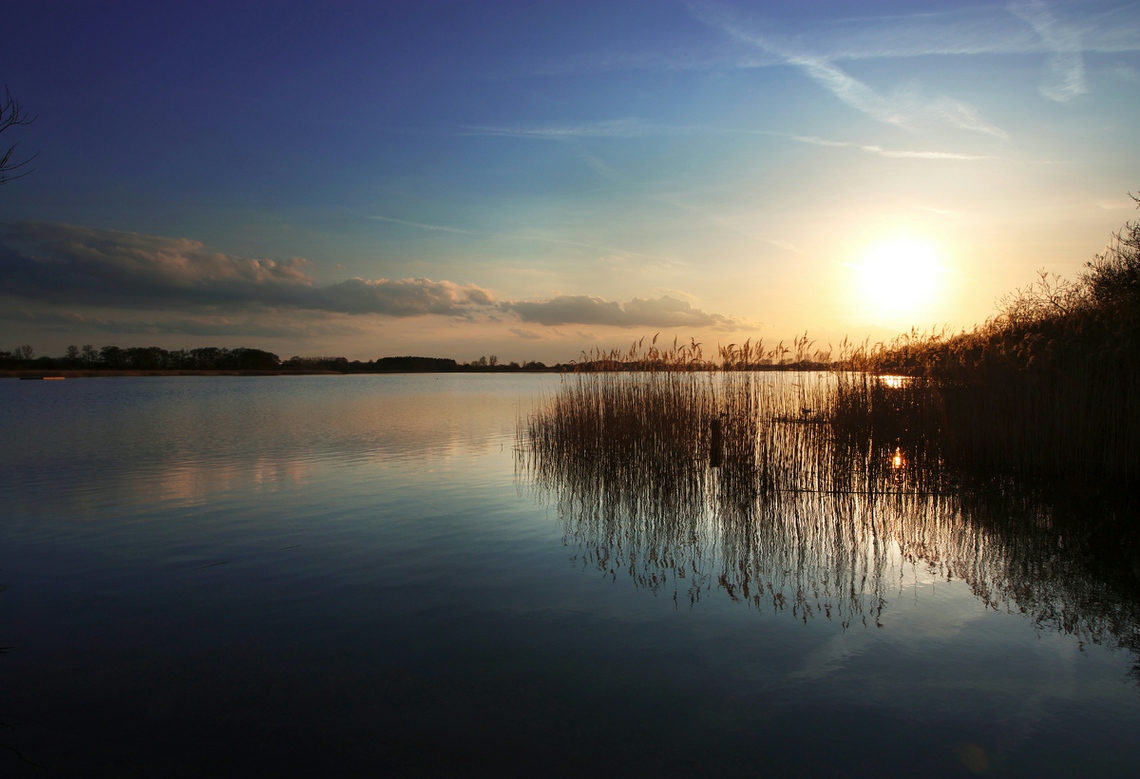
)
(359, 575)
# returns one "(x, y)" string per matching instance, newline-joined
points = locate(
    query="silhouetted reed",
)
(827, 487)
(1075, 418)
(1049, 386)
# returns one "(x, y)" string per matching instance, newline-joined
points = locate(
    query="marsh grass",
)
(825, 496)
(1075, 418)
(1049, 387)
(687, 476)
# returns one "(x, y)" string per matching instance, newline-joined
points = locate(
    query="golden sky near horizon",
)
(457, 180)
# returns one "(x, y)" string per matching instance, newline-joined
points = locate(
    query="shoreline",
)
(95, 374)
(73, 373)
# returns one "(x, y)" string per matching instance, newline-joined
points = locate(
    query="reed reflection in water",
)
(742, 483)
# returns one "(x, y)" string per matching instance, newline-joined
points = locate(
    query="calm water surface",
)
(338, 575)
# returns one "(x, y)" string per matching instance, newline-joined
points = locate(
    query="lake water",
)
(362, 575)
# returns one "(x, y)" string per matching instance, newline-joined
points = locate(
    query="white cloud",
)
(890, 153)
(1065, 71)
(904, 108)
(1027, 27)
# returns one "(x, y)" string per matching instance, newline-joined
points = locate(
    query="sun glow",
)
(899, 276)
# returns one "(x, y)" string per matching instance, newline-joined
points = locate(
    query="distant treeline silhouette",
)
(212, 358)
(143, 358)
(411, 364)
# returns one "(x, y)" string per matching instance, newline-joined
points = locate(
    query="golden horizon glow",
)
(900, 276)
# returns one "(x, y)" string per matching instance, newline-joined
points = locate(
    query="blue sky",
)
(535, 179)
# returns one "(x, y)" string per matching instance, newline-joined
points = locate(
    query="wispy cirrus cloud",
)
(610, 128)
(1065, 73)
(421, 225)
(1026, 27)
(893, 113)
(967, 30)
(891, 153)
(524, 236)
(961, 32)
(903, 108)
(626, 127)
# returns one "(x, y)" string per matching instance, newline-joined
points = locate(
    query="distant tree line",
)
(410, 364)
(143, 358)
(212, 358)
(413, 364)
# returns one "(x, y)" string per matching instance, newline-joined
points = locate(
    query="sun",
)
(899, 276)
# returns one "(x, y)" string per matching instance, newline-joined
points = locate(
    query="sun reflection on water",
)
(898, 462)
(895, 382)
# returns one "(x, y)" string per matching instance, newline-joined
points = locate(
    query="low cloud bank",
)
(106, 268)
(665, 311)
(66, 265)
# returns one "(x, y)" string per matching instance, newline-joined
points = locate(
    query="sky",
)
(532, 180)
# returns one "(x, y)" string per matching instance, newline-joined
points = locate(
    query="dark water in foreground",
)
(338, 575)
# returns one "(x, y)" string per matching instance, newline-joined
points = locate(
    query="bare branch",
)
(13, 115)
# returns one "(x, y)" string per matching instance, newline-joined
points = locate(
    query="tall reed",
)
(1056, 400)
(803, 511)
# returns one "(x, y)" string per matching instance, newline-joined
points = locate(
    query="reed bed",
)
(688, 477)
(1076, 419)
(1047, 387)
(812, 494)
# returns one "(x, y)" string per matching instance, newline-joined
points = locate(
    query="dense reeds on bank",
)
(1049, 386)
(765, 487)
(1077, 425)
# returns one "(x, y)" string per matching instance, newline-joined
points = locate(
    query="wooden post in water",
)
(716, 444)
